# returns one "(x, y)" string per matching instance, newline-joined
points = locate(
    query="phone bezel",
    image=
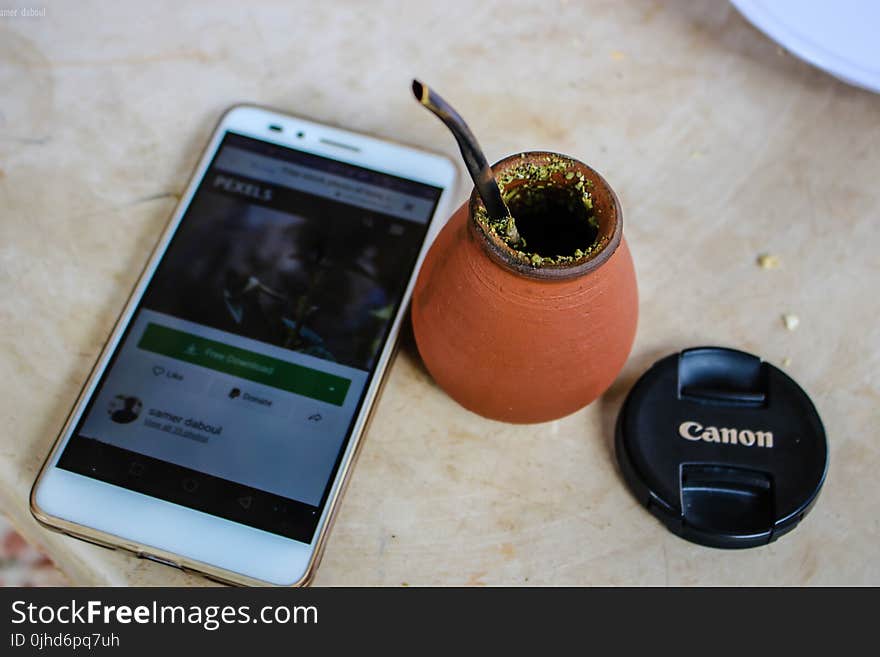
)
(222, 549)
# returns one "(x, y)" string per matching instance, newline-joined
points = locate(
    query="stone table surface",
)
(721, 146)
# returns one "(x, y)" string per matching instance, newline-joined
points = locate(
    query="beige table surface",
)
(720, 145)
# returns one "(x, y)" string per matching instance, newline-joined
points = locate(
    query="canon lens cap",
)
(725, 449)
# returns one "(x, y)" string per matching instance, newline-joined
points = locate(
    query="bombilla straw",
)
(477, 166)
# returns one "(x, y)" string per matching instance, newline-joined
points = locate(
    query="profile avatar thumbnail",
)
(124, 409)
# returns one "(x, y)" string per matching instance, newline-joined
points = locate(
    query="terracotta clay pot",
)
(520, 342)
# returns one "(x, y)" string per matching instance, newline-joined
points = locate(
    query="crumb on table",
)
(768, 261)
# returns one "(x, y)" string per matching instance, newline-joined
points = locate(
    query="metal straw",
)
(477, 166)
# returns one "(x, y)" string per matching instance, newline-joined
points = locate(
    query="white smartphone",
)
(219, 425)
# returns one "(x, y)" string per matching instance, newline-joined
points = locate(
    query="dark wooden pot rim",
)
(608, 214)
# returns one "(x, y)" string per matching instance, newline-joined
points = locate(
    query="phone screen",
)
(236, 385)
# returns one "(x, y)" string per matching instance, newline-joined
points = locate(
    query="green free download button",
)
(245, 364)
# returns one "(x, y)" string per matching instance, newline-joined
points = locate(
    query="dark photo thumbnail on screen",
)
(322, 279)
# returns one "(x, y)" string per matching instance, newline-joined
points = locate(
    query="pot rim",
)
(608, 213)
